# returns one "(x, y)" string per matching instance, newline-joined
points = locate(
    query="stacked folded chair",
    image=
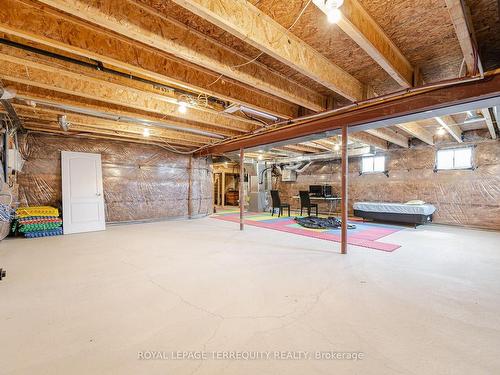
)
(40, 221)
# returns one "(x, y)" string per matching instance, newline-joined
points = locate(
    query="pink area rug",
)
(364, 235)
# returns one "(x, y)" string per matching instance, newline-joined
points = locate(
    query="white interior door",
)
(82, 193)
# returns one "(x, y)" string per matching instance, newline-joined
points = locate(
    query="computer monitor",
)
(327, 191)
(316, 190)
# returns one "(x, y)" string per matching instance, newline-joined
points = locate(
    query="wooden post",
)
(242, 189)
(223, 193)
(190, 187)
(343, 193)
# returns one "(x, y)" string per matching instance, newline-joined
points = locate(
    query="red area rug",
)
(364, 235)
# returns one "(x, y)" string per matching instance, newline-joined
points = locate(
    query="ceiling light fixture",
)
(441, 131)
(183, 107)
(336, 147)
(146, 132)
(63, 122)
(334, 15)
(330, 8)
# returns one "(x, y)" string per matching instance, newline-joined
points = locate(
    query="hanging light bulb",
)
(334, 15)
(260, 157)
(441, 131)
(145, 132)
(182, 107)
(336, 147)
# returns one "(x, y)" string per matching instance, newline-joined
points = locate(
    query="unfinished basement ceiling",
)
(137, 61)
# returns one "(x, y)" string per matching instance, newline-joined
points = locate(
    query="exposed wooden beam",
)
(449, 124)
(418, 131)
(53, 78)
(81, 105)
(50, 115)
(302, 148)
(318, 144)
(54, 129)
(380, 110)
(23, 18)
(390, 136)
(463, 29)
(489, 122)
(369, 139)
(361, 27)
(146, 25)
(248, 23)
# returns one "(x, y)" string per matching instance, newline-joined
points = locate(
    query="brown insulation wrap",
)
(461, 197)
(141, 182)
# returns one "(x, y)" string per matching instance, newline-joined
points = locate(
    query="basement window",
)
(454, 158)
(372, 164)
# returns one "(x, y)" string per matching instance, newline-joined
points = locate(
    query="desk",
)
(332, 202)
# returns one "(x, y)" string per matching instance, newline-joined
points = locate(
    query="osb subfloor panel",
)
(88, 303)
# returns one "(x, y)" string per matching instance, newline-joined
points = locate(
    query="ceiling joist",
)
(78, 105)
(462, 26)
(57, 79)
(450, 125)
(361, 28)
(418, 131)
(390, 136)
(23, 19)
(489, 122)
(369, 139)
(248, 23)
(147, 26)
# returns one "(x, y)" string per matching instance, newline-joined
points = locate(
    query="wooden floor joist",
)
(23, 18)
(51, 115)
(369, 140)
(467, 91)
(489, 122)
(450, 125)
(418, 131)
(390, 136)
(52, 78)
(56, 99)
(460, 23)
(147, 26)
(361, 28)
(248, 23)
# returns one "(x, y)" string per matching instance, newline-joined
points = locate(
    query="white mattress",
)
(395, 208)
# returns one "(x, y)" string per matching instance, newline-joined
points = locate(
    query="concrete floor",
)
(94, 303)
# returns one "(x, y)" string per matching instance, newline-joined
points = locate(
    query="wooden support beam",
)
(23, 18)
(390, 136)
(361, 27)
(51, 115)
(368, 139)
(248, 23)
(463, 29)
(318, 144)
(489, 122)
(302, 148)
(449, 124)
(242, 186)
(436, 98)
(145, 25)
(344, 202)
(57, 79)
(74, 104)
(418, 131)
(53, 127)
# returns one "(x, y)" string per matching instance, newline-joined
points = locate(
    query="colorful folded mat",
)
(39, 221)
